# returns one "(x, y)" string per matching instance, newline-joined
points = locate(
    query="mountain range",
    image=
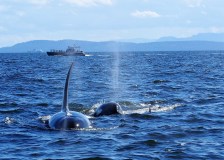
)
(206, 41)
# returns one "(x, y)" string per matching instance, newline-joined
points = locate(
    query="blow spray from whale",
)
(66, 119)
(112, 108)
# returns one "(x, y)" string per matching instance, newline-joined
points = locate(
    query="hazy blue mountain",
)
(112, 46)
(214, 37)
(46, 45)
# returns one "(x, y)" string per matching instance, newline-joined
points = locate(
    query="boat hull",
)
(65, 54)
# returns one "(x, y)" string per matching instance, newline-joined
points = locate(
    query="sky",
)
(104, 20)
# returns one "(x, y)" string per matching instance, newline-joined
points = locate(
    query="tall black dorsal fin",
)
(64, 107)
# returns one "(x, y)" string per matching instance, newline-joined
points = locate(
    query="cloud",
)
(143, 14)
(194, 3)
(89, 2)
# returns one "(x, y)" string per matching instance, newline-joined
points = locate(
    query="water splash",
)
(158, 108)
(94, 107)
(8, 120)
(143, 108)
(88, 55)
(139, 108)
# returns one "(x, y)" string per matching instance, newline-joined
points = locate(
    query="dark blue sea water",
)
(183, 90)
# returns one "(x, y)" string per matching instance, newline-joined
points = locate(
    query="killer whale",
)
(66, 119)
(108, 109)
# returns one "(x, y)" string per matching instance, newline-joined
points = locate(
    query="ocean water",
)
(172, 105)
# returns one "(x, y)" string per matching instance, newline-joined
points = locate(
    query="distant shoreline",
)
(160, 52)
(112, 46)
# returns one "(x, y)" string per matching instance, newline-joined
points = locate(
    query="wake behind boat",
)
(70, 51)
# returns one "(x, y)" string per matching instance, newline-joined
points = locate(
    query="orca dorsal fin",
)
(64, 107)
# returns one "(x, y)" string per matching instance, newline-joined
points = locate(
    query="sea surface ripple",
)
(172, 105)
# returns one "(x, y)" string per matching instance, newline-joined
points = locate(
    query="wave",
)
(11, 110)
(88, 55)
(139, 108)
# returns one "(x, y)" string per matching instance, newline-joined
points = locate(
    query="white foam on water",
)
(147, 108)
(88, 55)
(8, 120)
(158, 108)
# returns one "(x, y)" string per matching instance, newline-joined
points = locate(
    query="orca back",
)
(108, 109)
(68, 119)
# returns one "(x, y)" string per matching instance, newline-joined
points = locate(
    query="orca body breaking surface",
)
(108, 109)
